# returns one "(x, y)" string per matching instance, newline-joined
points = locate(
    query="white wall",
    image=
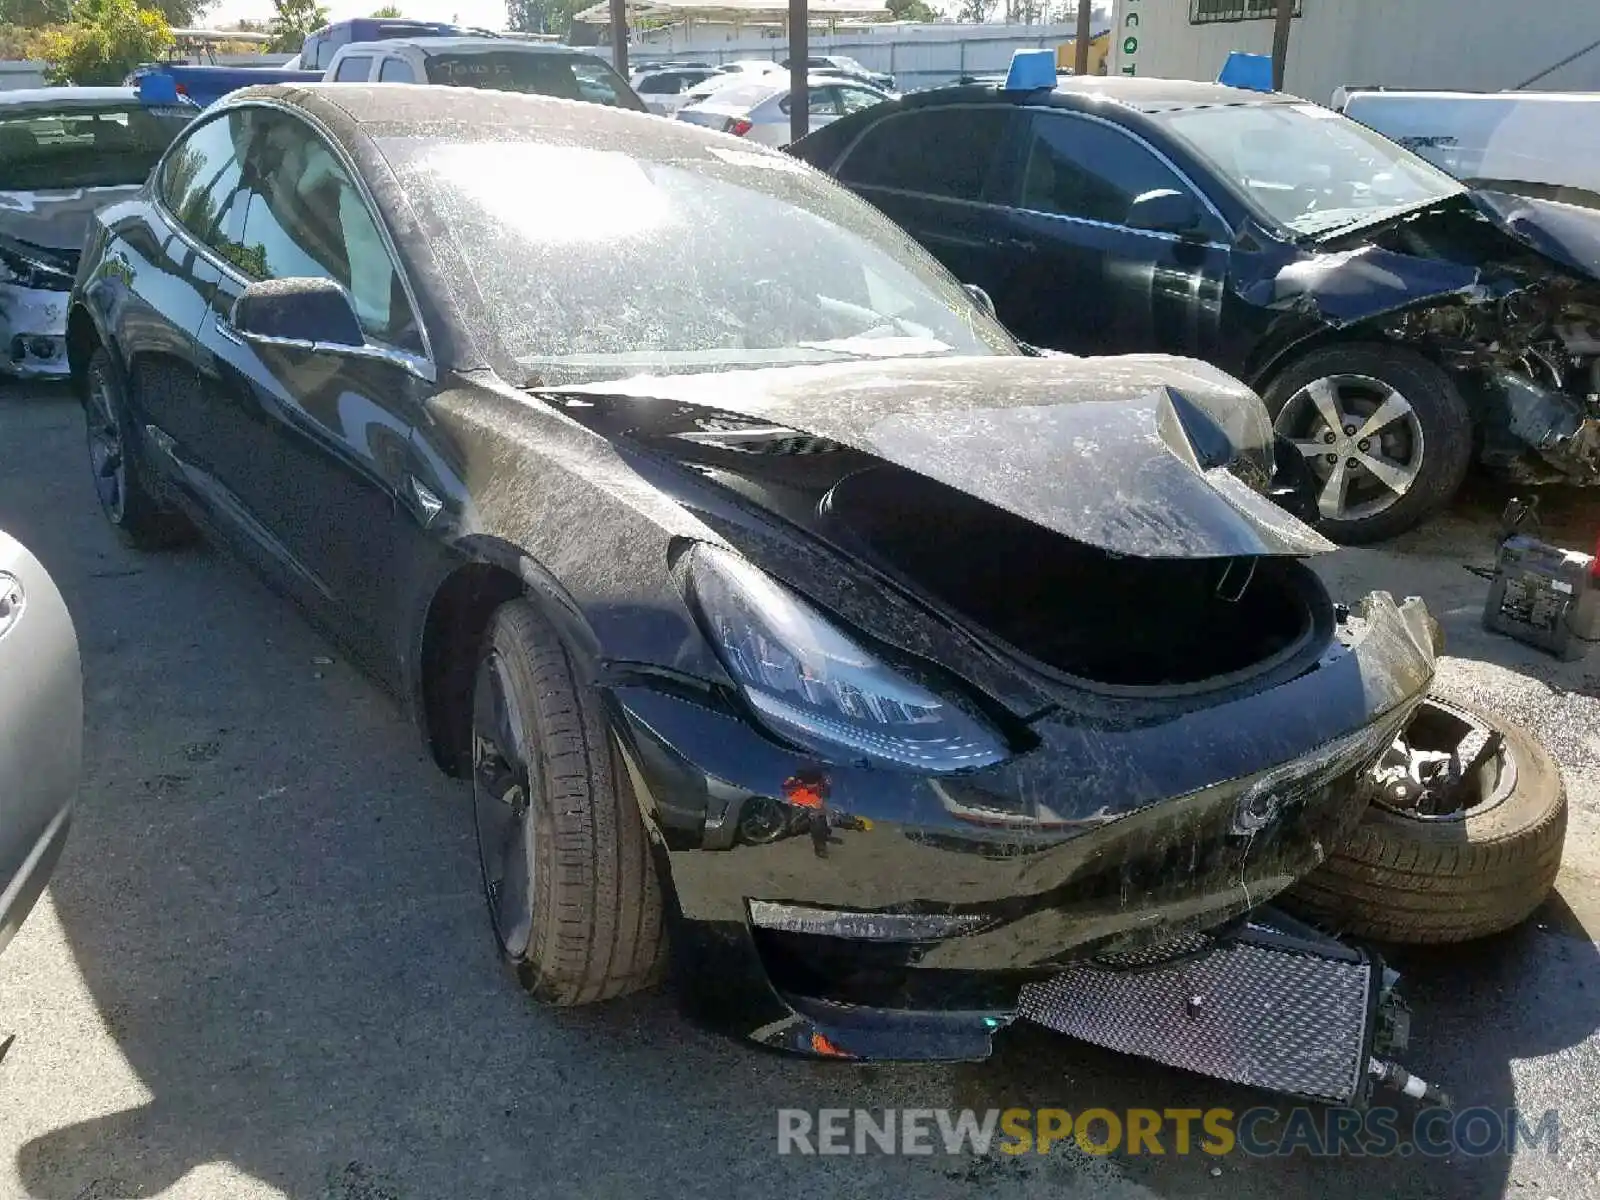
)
(20, 73)
(1473, 45)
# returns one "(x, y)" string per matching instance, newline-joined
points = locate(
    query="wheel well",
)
(452, 633)
(82, 341)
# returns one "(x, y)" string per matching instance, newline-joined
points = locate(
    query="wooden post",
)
(619, 36)
(799, 51)
(1080, 58)
(1280, 42)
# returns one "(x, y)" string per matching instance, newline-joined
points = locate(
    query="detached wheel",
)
(571, 888)
(1385, 432)
(1434, 864)
(114, 464)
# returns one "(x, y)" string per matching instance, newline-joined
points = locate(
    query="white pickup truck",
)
(502, 64)
(1543, 144)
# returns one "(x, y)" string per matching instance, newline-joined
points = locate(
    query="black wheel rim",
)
(502, 801)
(106, 452)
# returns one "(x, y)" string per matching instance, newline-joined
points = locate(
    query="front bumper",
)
(33, 332)
(901, 917)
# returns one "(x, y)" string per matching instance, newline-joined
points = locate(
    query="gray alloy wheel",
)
(133, 510)
(106, 463)
(1361, 439)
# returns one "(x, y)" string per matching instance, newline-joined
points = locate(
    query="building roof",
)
(470, 43)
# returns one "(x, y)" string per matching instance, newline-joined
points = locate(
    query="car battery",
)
(1545, 596)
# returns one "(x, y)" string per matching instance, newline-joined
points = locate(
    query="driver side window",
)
(1080, 168)
(306, 217)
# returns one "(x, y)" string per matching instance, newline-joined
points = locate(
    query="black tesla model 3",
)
(777, 604)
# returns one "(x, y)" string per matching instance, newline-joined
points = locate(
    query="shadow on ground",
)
(273, 899)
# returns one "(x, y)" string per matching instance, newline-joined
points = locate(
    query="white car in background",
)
(758, 109)
(665, 92)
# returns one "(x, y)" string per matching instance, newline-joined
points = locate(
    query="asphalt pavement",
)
(263, 969)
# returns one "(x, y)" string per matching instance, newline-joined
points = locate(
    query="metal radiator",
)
(1271, 1004)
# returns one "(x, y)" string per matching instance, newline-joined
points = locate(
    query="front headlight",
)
(810, 683)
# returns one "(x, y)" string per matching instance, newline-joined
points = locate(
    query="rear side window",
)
(354, 69)
(1081, 168)
(938, 152)
(200, 181)
(396, 70)
(661, 85)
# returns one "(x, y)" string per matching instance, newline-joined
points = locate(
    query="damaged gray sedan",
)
(64, 152)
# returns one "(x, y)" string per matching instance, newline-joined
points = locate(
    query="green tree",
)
(32, 14)
(102, 41)
(543, 16)
(911, 10)
(388, 11)
(292, 21)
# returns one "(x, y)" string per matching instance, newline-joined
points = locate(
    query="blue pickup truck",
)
(206, 85)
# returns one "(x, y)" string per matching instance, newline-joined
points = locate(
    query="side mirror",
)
(1164, 211)
(981, 298)
(297, 312)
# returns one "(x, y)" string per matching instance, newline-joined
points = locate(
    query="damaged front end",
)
(1503, 292)
(1077, 558)
(35, 282)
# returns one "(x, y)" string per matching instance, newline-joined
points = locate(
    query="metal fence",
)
(914, 62)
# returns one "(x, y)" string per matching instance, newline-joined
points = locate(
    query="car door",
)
(1082, 276)
(930, 170)
(170, 270)
(326, 432)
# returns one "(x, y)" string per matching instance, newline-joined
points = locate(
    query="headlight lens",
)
(810, 683)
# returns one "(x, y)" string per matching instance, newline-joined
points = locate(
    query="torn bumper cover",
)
(866, 914)
(33, 332)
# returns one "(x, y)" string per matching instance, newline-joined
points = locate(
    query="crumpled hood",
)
(1567, 233)
(56, 220)
(1144, 455)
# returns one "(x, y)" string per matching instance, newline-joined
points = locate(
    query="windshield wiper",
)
(1373, 217)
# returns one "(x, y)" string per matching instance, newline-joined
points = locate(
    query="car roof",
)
(381, 110)
(68, 97)
(1141, 94)
(441, 44)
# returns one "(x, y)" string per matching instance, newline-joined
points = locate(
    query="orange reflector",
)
(806, 793)
(822, 1045)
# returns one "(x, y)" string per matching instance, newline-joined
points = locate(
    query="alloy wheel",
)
(1362, 440)
(107, 460)
(502, 803)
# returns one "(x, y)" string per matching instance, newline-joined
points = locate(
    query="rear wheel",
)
(119, 480)
(567, 873)
(1385, 433)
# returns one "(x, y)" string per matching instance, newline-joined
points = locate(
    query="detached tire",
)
(117, 467)
(572, 890)
(1413, 881)
(1432, 443)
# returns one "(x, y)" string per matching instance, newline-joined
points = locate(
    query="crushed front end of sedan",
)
(1501, 290)
(1022, 670)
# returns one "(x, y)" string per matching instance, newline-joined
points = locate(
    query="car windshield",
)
(564, 76)
(1306, 168)
(743, 95)
(596, 264)
(78, 147)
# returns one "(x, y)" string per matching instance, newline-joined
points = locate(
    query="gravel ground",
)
(263, 969)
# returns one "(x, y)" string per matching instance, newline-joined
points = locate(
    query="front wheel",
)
(571, 887)
(1385, 433)
(119, 483)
